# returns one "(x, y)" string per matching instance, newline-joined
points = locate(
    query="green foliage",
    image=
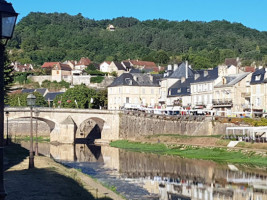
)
(221, 155)
(8, 75)
(20, 77)
(97, 79)
(81, 94)
(256, 122)
(101, 99)
(91, 67)
(96, 72)
(115, 74)
(57, 37)
(20, 99)
(55, 86)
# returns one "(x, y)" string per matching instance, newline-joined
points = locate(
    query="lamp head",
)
(31, 99)
(8, 18)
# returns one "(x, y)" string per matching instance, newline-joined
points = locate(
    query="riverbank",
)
(205, 148)
(48, 180)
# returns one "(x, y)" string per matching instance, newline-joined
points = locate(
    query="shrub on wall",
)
(97, 79)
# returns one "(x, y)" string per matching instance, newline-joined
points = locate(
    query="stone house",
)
(116, 67)
(202, 88)
(60, 71)
(258, 94)
(133, 90)
(22, 68)
(171, 76)
(104, 66)
(230, 94)
(146, 66)
(83, 64)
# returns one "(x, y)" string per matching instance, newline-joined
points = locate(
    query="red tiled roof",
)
(249, 69)
(84, 61)
(49, 64)
(143, 63)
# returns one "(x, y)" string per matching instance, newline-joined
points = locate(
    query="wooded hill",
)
(41, 37)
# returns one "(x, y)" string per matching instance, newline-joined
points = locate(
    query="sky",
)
(251, 13)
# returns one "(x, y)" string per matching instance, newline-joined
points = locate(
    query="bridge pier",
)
(66, 133)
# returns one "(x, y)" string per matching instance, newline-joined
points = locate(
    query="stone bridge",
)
(69, 125)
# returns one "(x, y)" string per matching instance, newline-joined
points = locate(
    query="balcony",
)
(222, 102)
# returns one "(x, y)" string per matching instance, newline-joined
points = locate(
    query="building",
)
(133, 90)
(145, 66)
(202, 88)
(104, 66)
(171, 76)
(83, 64)
(111, 27)
(116, 67)
(258, 86)
(59, 71)
(230, 94)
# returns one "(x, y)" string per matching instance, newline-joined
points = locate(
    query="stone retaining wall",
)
(134, 124)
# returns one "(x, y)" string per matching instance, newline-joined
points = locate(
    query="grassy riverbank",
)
(217, 154)
(48, 180)
(28, 138)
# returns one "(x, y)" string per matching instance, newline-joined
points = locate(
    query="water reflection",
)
(167, 177)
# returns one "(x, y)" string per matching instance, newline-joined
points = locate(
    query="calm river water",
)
(149, 176)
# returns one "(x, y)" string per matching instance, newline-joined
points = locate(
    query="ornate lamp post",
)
(37, 112)
(7, 114)
(31, 102)
(8, 18)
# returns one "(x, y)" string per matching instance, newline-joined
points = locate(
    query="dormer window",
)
(188, 90)
(129, 81)
(257, 78)
(179, 90)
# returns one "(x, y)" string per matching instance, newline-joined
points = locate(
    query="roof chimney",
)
(186, 69)
(175, 66)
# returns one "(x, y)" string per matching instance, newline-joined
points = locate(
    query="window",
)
(127, 100)
(210, 86)
(144, 91)
(57, 72)
(257, 78)
(179, 90)
(152, 91)
(188, 89)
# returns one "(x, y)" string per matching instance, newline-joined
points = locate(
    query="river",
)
(149, 176)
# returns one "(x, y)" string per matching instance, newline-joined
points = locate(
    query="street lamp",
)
(8, 18)
(37, 112)
(7, 114)
(31, 102)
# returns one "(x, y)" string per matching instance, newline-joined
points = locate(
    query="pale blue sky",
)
(251, 13)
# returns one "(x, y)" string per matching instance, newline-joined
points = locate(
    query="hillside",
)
(41, 37)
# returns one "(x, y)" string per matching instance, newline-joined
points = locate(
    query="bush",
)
(97, 79)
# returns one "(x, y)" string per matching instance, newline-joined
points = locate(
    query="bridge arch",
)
(51, 124)
(90, 129)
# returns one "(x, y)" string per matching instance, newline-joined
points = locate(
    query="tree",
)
(101, 99)
(77, 97)
(8, 76)
(20, 99)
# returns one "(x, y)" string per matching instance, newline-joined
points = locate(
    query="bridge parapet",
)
(55, 117)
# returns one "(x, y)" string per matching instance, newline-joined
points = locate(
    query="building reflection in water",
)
(171, 178)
